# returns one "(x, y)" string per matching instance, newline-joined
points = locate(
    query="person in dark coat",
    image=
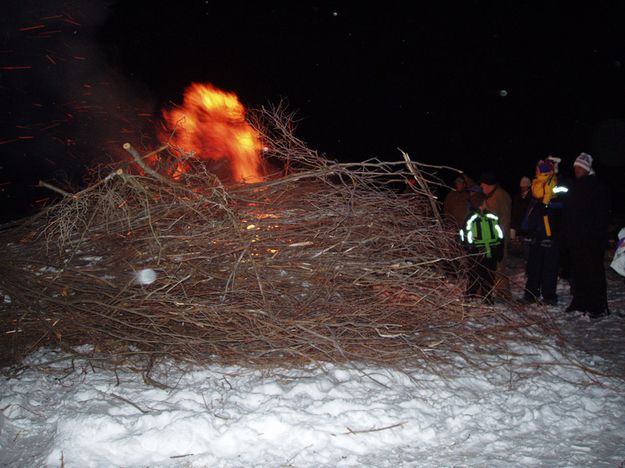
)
(458, 201)
(498, 201)
(519, 206)
(520, 202)
(586, 217)
(483, 237)
(543, 226)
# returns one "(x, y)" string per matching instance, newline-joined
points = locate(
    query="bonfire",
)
(288, 259)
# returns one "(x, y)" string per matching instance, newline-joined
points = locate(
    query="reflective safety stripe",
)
(483, 231)
(560, 189)
(470, 221)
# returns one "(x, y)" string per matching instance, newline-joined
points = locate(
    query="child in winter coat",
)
(483, 237)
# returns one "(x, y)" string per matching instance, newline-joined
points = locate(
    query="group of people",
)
(563, 228)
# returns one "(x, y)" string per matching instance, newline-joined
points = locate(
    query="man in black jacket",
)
(586, 217)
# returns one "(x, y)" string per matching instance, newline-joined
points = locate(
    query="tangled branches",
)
(321, 262)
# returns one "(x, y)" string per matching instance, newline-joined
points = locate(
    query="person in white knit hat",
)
(586, 217)
(583, 165)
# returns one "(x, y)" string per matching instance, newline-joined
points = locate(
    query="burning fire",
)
(211, 124)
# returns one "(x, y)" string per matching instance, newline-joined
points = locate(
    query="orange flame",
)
(211, 124)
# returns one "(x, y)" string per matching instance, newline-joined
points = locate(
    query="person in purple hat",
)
(543, 224)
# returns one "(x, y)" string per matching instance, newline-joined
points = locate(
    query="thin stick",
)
(56, 189)
(419, 178)
(130, 403)
(350, 431)
(139, 160)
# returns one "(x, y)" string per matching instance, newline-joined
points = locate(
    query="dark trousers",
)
(588, 286)
(481, 276)
(543, 263)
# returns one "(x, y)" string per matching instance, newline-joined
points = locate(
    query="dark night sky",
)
(78, 78)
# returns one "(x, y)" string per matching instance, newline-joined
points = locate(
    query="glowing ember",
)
(211, 124)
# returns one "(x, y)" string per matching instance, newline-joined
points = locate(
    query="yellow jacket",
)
(543, 185)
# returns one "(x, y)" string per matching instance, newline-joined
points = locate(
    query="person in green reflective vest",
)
(484, 239)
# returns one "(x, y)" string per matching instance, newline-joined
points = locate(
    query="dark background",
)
(476, 85)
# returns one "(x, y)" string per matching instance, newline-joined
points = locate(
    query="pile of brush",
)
(322, 262)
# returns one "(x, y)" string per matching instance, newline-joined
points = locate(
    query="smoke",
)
(66, 108)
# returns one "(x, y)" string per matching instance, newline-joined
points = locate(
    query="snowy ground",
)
(541, 410)
(603, 338)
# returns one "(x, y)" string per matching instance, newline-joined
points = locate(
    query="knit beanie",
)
(584, 160)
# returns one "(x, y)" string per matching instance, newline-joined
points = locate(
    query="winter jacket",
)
(456, 206)
(519, 208)
(481, 232)
(543, 186)
(587, 214)
(500, 203)
(543, 218)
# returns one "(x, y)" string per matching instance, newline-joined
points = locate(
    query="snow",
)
(543, 408)
(145, 276)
